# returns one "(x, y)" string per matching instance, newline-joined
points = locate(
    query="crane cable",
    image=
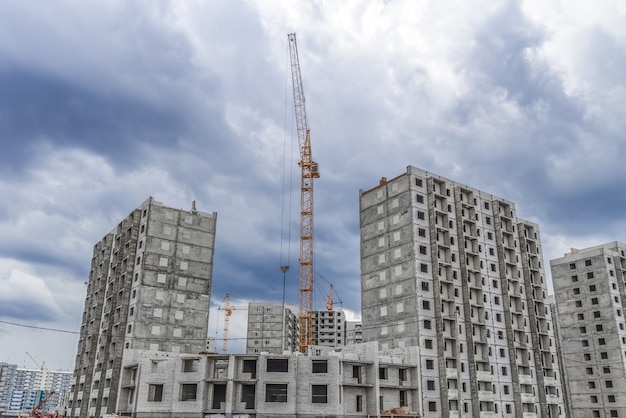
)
(287, 161)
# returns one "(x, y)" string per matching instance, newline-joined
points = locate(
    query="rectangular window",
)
(403, 398)
(219, 395)
(276, 392)
(382, 373)
(319, 366)
(280, 365)
(190, 365)
(188, 391)
(359, 403)
(155, 393)
(319, 394)
(421, 232)
(248, 394)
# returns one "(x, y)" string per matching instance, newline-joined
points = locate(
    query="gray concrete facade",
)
(354, 332)
(454, 271)
(591, 301)
(149, 288)
(272, 328)
(353, 381)
(329, 328)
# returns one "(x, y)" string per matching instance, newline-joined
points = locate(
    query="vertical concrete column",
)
(506, 301)
(532, 318)
(231, 396)
(441, 364)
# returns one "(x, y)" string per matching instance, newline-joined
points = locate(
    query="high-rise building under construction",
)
(453, 270)
(148, 290)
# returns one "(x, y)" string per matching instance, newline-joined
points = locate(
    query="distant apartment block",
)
(329, 328)
(591, 303)
(272, 328)
(21, 389)
(453, 270)
(355, 381)
(354, 332)
(148, 290)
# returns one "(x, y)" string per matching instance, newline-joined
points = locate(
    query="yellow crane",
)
(329, 299)
(310, 171)
(228, 311)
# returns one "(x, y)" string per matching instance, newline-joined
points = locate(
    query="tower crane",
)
(329, 299)
(41, 366)
(228, 311)
(310, 171)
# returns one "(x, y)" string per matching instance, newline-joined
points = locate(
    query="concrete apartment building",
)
(329, 328)
(354, 332)
(453, 270)
(591, 303)
(356, 381)
(21, 389)
(148, 289)
(272, 328)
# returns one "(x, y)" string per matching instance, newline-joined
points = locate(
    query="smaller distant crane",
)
(228, 311)
(329, 299)
(41, 366)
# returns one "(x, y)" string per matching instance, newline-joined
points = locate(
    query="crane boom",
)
(310, 171)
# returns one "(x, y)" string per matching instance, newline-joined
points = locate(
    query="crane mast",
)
(310, 171)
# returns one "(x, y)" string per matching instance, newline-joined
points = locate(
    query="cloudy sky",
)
(105, 103)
